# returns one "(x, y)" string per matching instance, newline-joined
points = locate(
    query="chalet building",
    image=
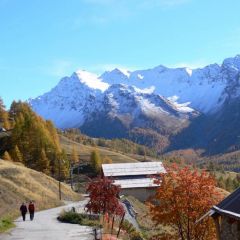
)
(135, 179)
(226, 216)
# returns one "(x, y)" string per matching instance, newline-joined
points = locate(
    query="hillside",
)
(84, 151)
(19, 184)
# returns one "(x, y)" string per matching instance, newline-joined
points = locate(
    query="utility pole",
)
(59, 179)
(71, 175)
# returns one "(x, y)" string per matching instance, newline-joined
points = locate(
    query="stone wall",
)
(141, 194)
(230, 229)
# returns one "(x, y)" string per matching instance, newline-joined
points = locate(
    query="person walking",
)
(31, 209)
(23, 210)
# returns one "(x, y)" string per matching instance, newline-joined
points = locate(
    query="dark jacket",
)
(23, 209)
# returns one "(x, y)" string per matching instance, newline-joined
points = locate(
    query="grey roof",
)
(136, 183)
(230, 206)
(132, 169)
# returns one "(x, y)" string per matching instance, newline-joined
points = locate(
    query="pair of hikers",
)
(24, 209)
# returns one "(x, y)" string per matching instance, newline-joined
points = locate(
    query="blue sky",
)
(42, 41)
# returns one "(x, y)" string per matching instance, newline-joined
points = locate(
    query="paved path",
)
(45, 226)
(129, 216)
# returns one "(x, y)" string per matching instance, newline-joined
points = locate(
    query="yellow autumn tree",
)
(4, 122)
(36, 139)
(43, 162)
(16, 154)
(74, 155)
(6, 156)
(107, 160)
(96, 161)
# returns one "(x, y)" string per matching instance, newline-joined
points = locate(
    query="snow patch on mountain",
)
(145, 90)
(182, 107)
(91, 80)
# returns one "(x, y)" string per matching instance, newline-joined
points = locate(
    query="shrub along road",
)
(45, 226)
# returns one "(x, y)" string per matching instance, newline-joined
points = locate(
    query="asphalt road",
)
(45, 226)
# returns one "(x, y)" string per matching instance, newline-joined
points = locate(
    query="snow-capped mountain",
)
(82, 96)
(164, 100)
(205, 88)
(123, 108)
(71, 100)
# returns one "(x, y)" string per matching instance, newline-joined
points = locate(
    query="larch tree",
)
(43, 162)
(63, 165)
(183, 196)
(74, 155)
(6, 156)
(32, 135)
(96, 161)
(16, 154)
(3, 115)
(107, 160)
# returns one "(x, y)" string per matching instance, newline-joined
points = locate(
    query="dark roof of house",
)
(230, 206)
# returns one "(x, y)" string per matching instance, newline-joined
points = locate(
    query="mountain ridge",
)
(160, 100)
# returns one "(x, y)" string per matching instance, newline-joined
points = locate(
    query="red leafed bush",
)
(103, 196)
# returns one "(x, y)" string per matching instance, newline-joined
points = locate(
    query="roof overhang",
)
(226, 212)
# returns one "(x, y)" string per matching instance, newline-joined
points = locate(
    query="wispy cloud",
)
(101, 2)
(102, 12)
(58, 68)
(139, 2)
(164, 4)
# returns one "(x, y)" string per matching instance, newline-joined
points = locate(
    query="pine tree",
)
(96, 161)
(6, 156)
(16, 154)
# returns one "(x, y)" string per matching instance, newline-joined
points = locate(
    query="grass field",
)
(19, 184)
(84, 151)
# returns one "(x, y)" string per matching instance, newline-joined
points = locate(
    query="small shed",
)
(226, 216)
(135, 179)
